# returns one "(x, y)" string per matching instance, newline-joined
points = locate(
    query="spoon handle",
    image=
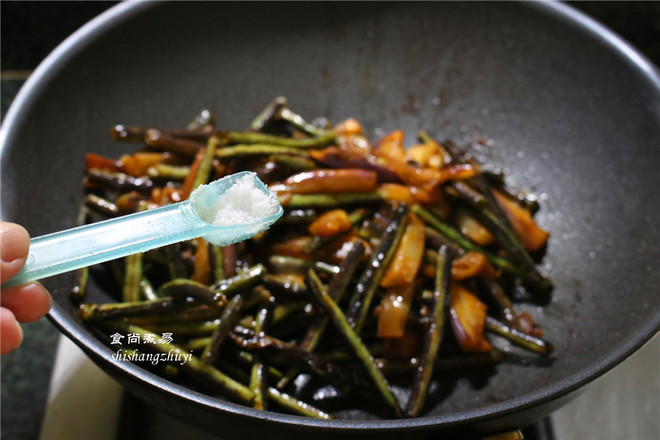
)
(85, 245)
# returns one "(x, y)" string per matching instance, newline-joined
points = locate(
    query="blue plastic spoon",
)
(82, 246)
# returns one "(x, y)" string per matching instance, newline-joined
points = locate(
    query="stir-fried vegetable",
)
(389, 266)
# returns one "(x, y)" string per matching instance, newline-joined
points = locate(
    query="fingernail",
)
(14, 242)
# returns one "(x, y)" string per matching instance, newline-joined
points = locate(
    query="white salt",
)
(243, 203)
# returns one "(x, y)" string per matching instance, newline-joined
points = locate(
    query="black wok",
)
(573, 113)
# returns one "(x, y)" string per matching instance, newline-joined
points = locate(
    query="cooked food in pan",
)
(391, 264)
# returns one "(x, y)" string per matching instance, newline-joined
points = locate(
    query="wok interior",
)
(567, 117)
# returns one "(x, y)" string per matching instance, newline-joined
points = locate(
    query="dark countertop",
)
(29, 31)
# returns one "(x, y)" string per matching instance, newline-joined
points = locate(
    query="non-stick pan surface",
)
(571, 112)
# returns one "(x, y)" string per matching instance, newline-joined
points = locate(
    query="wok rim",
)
(102, 354)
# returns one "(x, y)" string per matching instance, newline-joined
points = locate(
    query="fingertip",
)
(14, 247)
(11, 333)
(28, 302)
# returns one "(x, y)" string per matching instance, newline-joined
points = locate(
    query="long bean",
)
(167, 171)
(205, 165)
(96, 312)
(131, 291)
(327, 200)
(147, 290)
(433, 334)
(268, 114)
(229, 318)
(78, 291)
(519, 338)
(294, 163)
(260, 149)
(351, 336)
(250, 138)
(217, 256)
(259, 371)
(187, 313)
(300, 265)
(297, 406)
(336, 290)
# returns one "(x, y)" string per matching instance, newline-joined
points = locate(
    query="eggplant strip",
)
(368, 282)
(119, 181)
(101, 205)
(284, 353)
(329, 181)
(297, 216)
(162, 140)
(183, 287)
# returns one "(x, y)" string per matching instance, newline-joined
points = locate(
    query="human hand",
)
(25, 303)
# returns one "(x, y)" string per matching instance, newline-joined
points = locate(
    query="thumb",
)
(14, 246)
